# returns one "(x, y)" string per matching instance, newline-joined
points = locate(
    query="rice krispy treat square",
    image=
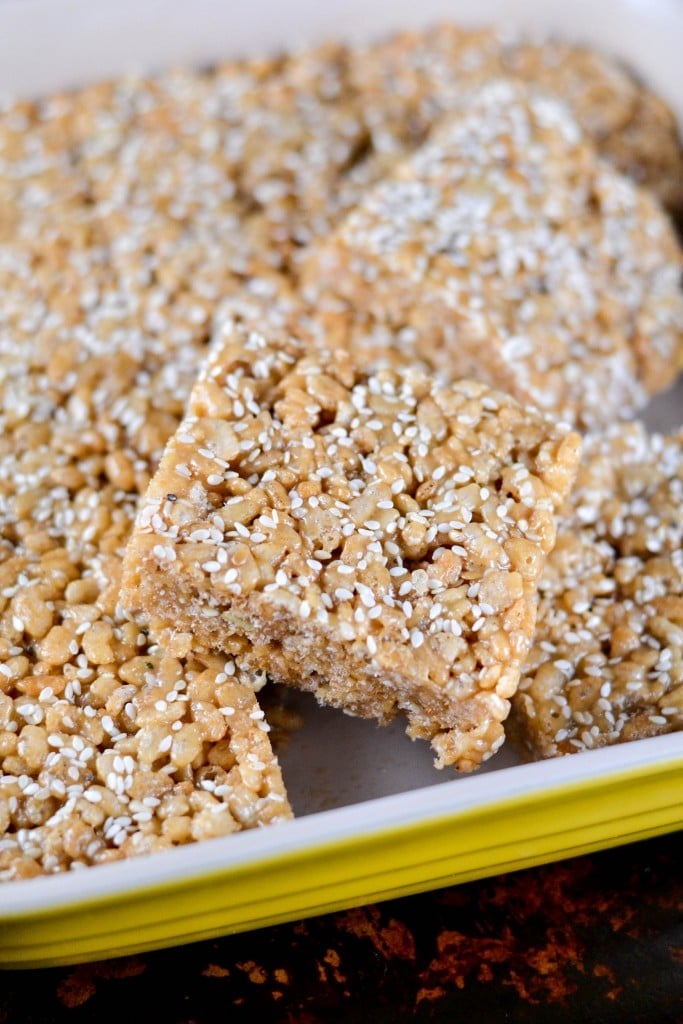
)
(632, 127)
(371, 537)
(411, 79)
(607, 661)
(518, 257)
(111, 746)
(241, 163)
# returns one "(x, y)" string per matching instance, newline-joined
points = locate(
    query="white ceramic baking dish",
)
(374, 818)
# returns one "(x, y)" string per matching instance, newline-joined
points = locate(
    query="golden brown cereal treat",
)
(109, 745)
(375, 538)
(128, 210)
(411, 79)
(249, 161)
(237, 167)
(97, 355)
(329, 323)
(520, 258)
(153, 753)
(607, 660)
(631, 126)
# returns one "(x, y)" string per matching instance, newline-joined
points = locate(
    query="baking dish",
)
(374, 818)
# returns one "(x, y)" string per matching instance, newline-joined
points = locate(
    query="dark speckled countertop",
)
(595, 939)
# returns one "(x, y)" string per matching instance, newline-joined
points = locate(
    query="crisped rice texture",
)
(514, 254)
(607, 660)
(128, 211)
(411, 79)
(371, 537)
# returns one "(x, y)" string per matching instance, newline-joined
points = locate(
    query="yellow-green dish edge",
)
(300, 879)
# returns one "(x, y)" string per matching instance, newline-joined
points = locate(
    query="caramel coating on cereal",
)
(110, 746)
(515, 254)
(128, 211)
(376, 538)
(412, 79)
(607, 661)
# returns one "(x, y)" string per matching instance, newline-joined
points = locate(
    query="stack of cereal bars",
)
(364, 497)
(326, 368)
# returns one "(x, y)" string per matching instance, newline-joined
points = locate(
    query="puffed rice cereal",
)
(514, 254)
(371, 537)
(607, 661)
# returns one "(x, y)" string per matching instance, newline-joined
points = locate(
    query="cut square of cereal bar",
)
(518, 257)
(111, 746)
(607, 661)
(370, 537)
(406, 82)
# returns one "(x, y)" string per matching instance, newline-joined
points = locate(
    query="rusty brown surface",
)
(594, 939)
